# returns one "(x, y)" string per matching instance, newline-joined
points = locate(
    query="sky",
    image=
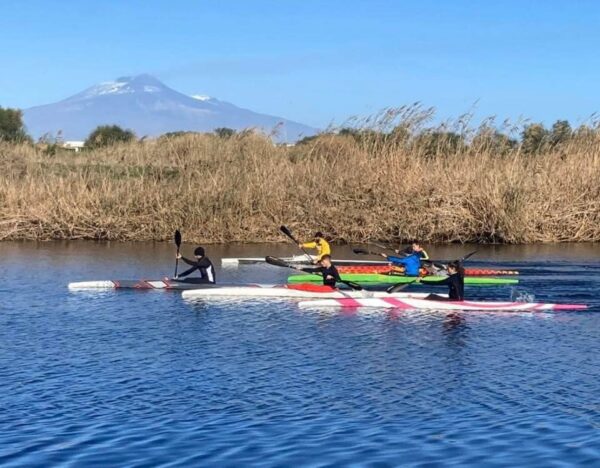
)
(315, 61)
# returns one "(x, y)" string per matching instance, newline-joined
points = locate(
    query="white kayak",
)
(423, 304)
(137, 284)
(298, 260)
(300, 291)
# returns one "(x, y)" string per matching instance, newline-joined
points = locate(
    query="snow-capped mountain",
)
(148, 107)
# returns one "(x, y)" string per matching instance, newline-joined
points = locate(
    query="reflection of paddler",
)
(320, 244)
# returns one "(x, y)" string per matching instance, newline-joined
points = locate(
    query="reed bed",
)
(380, 185)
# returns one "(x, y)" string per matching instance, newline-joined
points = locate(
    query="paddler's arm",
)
(193, 263)
(312, 270)
(424, 255)
(396, 260)
(187, 272)
(308, 245)
(336, 275)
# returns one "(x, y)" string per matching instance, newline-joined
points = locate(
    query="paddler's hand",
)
(178, 256)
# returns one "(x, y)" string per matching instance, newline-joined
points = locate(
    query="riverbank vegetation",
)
(392, 177)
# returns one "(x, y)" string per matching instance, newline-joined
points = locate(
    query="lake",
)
(144, 378)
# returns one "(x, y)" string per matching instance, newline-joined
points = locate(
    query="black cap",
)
(199, 252)
(319, 234)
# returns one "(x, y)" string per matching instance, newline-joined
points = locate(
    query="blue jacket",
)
(411, 264)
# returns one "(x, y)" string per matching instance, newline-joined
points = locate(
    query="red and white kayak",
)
(387, 269)
(137, 284)
(299, 291)
(422, 304)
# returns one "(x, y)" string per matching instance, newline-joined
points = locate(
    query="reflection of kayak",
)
(395, 279)
(139, 284)
(290, 291)
(298, 260)
(422, 304)
(385, 269)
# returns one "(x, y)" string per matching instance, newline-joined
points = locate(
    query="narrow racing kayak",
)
(138, 284)
(395, 279)
(423, 304)
(386, 269)
(308, 290)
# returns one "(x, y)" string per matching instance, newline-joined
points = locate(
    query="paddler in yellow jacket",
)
(318, 243)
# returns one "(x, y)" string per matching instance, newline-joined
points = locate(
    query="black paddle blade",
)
(469, 255)
(178, 238)
(277, 262)
(288, 233)
(360, 251)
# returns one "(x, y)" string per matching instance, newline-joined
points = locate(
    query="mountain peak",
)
(124, 85)
(149, 107)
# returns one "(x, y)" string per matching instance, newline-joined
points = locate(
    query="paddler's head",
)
(318, 236)
(199, 252)
(325, 261)
(416, 246)
(455, 267)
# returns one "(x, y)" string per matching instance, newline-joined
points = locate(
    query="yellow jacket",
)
(323, 248)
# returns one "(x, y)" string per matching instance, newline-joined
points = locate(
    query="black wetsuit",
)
(204, 266)
(456, 288)
(330, 271)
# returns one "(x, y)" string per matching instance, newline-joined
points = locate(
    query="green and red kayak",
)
(373, 278)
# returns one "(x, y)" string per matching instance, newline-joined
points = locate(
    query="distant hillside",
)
(148, 107)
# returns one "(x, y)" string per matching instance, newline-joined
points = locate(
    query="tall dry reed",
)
(376, 187)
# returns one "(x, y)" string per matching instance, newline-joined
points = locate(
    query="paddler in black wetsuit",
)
(330, 273)
(455, 282)
(202, 264)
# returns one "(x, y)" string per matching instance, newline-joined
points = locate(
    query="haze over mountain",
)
(148, 107)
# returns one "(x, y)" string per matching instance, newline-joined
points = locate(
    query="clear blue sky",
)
(315, 60)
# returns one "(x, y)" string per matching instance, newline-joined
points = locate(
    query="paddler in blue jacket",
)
(412, 261)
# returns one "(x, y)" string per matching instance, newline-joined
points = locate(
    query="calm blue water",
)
(143, 378)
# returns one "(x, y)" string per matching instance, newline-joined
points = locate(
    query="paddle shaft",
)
(278, 262)
(289, 234)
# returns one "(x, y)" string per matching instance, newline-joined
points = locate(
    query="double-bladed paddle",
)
(280, 263)
(289, 234)
(178, 244)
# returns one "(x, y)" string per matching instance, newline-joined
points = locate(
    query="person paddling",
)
(415, 247)
(411, 263)
(202, 264)
(455, 282)
(330, 273)
(319, 243)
